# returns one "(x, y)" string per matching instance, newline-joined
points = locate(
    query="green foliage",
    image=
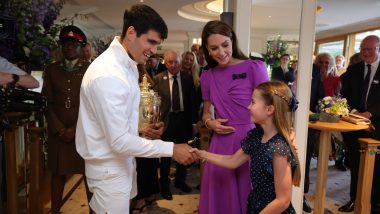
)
(275, 49)
(36, 32)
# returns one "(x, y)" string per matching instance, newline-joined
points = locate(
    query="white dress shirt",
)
(107, 128)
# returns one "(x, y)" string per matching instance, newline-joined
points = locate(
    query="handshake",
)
(184, 154)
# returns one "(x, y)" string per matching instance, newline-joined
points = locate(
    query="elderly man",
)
(154, 66)
(178, 111)
(339, 62)
(360, 85)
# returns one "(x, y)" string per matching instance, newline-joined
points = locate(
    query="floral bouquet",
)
(334, 106)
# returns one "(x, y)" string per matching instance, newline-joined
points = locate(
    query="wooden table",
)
(323, 156)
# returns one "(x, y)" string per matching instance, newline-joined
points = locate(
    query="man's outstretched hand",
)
(181, 154)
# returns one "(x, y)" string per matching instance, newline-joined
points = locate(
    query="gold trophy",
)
(150, 102)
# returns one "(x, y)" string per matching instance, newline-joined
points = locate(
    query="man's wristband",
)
(16, 78)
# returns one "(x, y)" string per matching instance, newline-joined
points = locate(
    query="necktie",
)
(366, 82)
(69, 66)
(175, 95)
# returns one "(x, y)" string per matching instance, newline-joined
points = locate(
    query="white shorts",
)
(111, 191)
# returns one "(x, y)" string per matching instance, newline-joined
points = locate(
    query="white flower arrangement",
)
(334, 105)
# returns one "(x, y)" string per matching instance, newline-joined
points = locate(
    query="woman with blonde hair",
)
(330, 79)
(190, 65)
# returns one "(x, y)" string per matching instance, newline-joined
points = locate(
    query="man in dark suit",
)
(284, 73)
(361, 86)
(316, 93)
(178, 111)
(154, 66)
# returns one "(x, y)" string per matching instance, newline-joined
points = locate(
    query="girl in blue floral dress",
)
(274, 164)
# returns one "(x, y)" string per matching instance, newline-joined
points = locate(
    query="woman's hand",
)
(219, 128)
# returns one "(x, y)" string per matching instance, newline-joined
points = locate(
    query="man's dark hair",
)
(143, 18)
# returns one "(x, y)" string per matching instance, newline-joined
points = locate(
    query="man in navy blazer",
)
(284, 73)
(178, 123)
(362, 94)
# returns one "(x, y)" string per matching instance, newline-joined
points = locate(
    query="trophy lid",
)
(144, 85)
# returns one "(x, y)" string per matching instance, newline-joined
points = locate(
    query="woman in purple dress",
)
(227, 86)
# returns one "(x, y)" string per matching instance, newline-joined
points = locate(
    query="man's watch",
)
(16, 78)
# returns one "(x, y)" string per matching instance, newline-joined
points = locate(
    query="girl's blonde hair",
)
(279, 95)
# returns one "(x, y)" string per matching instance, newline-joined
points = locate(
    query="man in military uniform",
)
(61, 87)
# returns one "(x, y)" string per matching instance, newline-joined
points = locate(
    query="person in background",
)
(107, 135)
(284, 73)
(179, 113)
(294, 66)
(355, 58)
(340, 64)
(9, 73)
(190, 66)
(154, 66)
(360, 86)
(201, 61)
(88, 53)
(332, 85)
(268, 146)
(62, 82)
(331, 82)
(317, 92)
(227, 85)
(195, 48)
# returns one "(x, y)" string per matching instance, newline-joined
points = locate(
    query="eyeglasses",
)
(369, 49)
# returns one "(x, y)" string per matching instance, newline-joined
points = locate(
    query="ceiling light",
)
(319, 9)
(215, 6)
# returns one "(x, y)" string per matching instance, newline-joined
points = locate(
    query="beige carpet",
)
(337, 194)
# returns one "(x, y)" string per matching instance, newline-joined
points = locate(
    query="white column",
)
(305, 52)
(242, 24)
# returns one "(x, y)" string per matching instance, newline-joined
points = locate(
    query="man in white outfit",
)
(107, 130)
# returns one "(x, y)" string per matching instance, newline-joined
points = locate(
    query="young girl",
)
(274, 164)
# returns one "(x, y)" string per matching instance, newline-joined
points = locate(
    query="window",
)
(333, 48)
(360, 36)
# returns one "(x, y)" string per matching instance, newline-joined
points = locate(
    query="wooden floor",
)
(337, 194)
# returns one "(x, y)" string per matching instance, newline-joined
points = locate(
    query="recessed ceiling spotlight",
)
(269, 16)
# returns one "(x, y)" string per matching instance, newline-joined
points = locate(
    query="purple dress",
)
(229, 89)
